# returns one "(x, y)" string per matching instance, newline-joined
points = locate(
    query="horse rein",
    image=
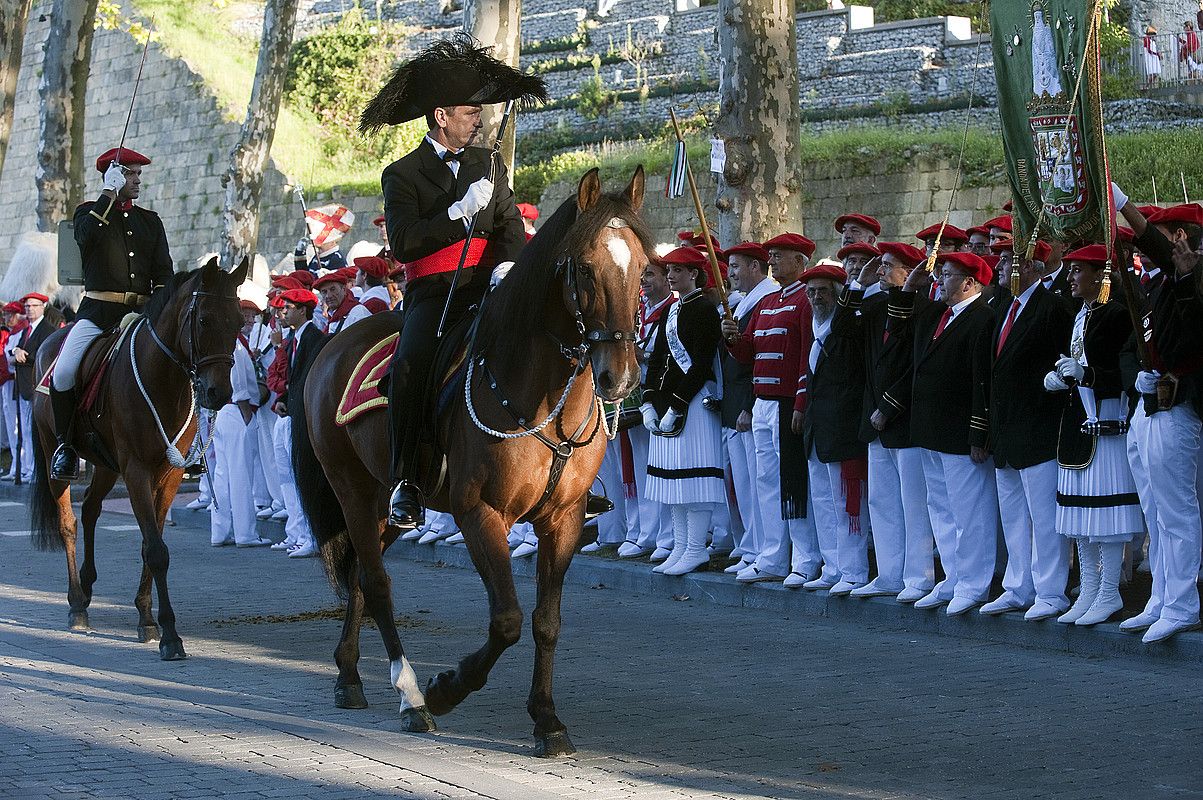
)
(193, 365)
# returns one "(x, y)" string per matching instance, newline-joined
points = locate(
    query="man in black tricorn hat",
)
(430, 198)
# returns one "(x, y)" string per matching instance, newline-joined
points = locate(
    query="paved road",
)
(665, 698)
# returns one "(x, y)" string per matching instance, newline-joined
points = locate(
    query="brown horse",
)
(556, 335)
(180, 350)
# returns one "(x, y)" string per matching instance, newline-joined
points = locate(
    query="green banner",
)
(1046, 61)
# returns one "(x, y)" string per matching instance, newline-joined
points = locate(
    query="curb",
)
(636, 577)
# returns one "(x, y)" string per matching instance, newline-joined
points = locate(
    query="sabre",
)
(137, 82)
(299, 191)
(463, 256)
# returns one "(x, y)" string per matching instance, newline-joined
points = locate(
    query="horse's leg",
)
(78, 598)
(98, 489)
(485, 534)
(149, 500)
(348, 689)
(557, 542)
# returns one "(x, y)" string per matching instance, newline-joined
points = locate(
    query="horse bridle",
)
(193, 365)
(571, 270)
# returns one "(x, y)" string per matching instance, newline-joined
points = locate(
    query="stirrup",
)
(596, 505)
(406, 506)
(64, 464)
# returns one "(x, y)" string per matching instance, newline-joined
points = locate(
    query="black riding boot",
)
(64, 464)
(407, 504)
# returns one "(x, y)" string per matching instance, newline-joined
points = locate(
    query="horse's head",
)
(604, 268)
(200, 323)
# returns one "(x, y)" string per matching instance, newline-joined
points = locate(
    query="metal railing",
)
(1166, 59)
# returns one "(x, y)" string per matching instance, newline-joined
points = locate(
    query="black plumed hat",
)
(453, 72)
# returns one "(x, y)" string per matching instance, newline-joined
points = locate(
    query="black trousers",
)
(409, 377)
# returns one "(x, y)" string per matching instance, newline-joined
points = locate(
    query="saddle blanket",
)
(362, 393)
(96, 379)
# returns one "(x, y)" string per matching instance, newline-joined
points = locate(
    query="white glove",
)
(1118, 196)
(301, 247)
(1146, 382)
(649, 417)
(670, 420)
(476, 198)
(499, 273)
(1053, 383)
(1070, 368)
(114, 178)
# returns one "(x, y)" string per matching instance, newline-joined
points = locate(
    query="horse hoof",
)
(417, 720)
(438, 699)
(554, 745)
(350, 696)
(78, 621)
(172, 651)
(148, 633)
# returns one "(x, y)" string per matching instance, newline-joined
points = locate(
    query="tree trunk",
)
(60, 171)
(759, 191)
(496, 23)
(13, 17)
(244, 178)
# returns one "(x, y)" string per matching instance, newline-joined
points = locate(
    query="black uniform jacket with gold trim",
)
(122, 251)
(667, 385)
(949, 389)
(1024, 418)
(887, 363)
(1108, 327)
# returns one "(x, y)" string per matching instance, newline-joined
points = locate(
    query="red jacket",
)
(777, 344)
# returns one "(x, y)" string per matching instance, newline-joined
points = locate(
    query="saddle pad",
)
(362, 393)
(96, 379)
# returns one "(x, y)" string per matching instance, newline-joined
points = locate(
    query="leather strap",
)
(125, 298)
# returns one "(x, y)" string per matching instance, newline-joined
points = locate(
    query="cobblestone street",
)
(664, 698)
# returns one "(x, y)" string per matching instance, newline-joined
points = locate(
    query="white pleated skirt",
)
(1099, 502)
(689, 468)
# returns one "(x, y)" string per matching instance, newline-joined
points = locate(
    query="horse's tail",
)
(45, 523)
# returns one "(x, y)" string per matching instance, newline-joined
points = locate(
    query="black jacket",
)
(887, 362)
(121, 251)
(26, 379)
(1060, 284)
(667, 385)
(1024, 418)
(307, 350)
(950, 385)
(836, 389)
(737, 380)
(418, 190)
(1108, 327)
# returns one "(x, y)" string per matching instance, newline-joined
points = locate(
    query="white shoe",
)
(525, 550)
(630, 549)
(8, 476)
(222, 543)
(1163, 629)
(514, 538)
(593, 547)
(660, 554)
(430, 537)
(959, 605)
(283, 544)
(1002, 604)
(258, 541)
(738, 566)
(1140, 622)
(819, 583)
(1042, 610)
(689, 562)
(794, 580)
(843, 587)
(911, 595)
(455, 538)
(931, 600)
(195, 505)
(305, 551)
(280, 515)
(754, 575)
(412, 534)
(871, 589)
(264, 513)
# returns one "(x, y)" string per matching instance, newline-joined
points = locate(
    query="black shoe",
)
(64, 465)
(596, 505)
(406, 507)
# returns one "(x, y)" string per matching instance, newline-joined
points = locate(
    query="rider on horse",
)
(125, 258)
(430, 198)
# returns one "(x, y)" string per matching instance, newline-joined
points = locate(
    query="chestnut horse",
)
(180, 349)
(554, 338)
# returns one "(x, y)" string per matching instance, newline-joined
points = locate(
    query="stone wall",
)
(903, 202)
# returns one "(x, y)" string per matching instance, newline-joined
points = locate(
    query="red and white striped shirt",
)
(777, 344)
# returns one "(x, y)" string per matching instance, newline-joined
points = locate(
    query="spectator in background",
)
(14, 323)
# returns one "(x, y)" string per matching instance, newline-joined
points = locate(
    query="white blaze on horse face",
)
(406, 684)
(620, 252)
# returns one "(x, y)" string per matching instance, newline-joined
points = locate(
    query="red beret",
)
(860, 219)
(858, 247)
(375, 266)
(951, 234)
(1043, 250)
(379, 220)
(686, 256)
(1185, 214)
(331, 278)
(710, 282)
(1093, 254)
(528, 211)
(35, 296)
(750, 249)
(303, 277)
(910, 256)
(300, 297)
(1003, 244)
(275, 302)
(699, 241)
(14, 307)
(1002, 223)
(287, 282)
(971, 265)
(791, 241)
(991, 262)
(128, 158)
(249, 305)
(829, 271)
(984, 231)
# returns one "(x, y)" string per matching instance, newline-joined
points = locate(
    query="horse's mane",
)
(515, 308)
(162, 296)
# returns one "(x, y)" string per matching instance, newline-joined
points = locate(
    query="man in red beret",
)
(952, 238)
(125, 257)
(835, 453)
(854, 228)
(342, 309)
(998, 228)
(776, 342)
(529, 215)
(14, 322)
(43, 319)
(1164, 439)
(853, 257)
(375, 270)
(979, 241)
(948, 397)
(902, 535)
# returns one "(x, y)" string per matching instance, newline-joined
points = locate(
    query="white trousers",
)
(655, 519)
(1163, 451)
(1037, 556)
(612, 526)
(741, 450)
(26, 412)
(10, 420)
(231, 465)
(297, 527)
(775, 555)
(902, 534)
(267, 477)
(845, 554)
(964, 494)
(66, 368)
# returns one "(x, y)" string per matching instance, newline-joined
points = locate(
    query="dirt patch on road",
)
(403, 621)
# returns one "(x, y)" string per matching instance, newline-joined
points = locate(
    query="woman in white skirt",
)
(1097, 505)
(685, 459)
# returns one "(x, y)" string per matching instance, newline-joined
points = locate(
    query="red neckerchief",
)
(124, 205)
(648, 320)
(245, 343)
(344, 308)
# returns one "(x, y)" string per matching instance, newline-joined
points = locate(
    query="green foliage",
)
(573, 41)
(894, 10)
(1167, 155)
(593, 99)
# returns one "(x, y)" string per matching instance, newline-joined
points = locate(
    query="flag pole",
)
(1153, 178)
(697, 205)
